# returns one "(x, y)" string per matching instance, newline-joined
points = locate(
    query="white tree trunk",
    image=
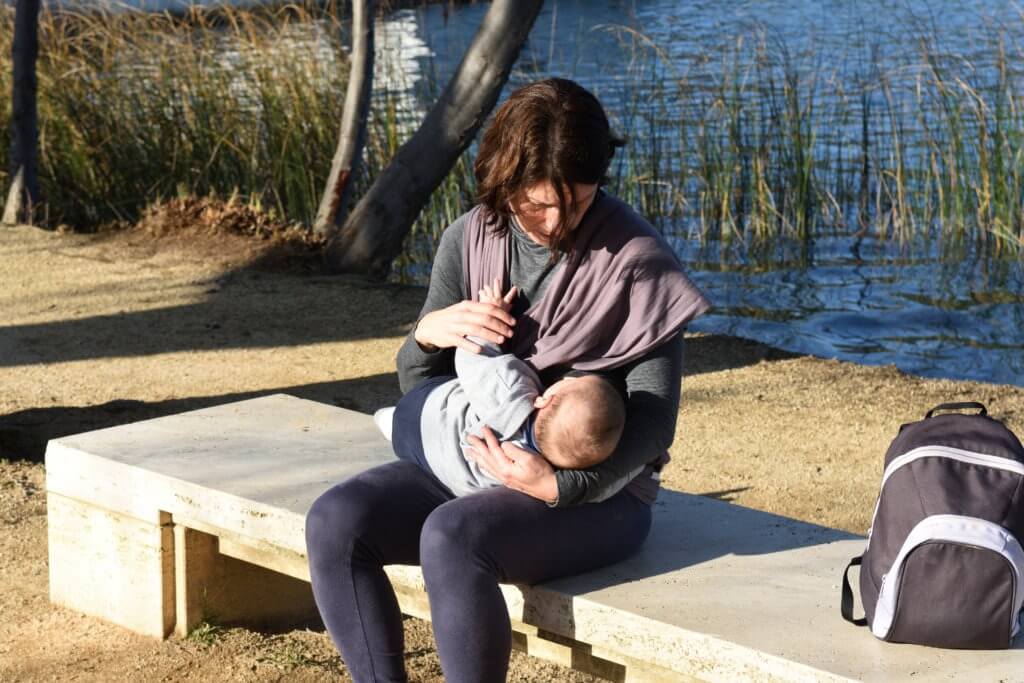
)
(373, 233)
(352, 136)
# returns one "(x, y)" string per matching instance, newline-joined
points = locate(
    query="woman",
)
(598, 291)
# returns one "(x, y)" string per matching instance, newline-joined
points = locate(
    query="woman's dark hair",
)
(552, 130)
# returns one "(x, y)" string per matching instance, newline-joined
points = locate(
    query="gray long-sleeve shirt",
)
(651, 383)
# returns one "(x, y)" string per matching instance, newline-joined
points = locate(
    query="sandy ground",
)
(102, 330)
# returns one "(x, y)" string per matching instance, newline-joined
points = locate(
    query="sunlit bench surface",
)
(158, 525)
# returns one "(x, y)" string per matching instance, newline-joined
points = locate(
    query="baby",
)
(575, 423)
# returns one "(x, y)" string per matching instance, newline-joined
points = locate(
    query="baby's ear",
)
(541, 401)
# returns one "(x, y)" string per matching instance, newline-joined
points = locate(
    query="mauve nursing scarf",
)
(619, 292)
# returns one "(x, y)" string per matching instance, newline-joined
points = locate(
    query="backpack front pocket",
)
(955, 583)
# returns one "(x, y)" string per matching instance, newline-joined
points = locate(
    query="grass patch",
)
(287, 655)
(206, 633)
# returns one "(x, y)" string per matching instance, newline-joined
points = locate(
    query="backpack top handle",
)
(967, 405)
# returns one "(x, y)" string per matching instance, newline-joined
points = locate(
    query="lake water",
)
(918, 306)
(925, 307)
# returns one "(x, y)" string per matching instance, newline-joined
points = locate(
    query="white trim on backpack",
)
(959, 454)
(955, 529)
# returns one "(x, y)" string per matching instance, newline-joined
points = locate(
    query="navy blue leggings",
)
(399, 514)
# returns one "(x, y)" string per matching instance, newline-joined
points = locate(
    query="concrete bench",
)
(159, 524)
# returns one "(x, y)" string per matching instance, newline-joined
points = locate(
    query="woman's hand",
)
(448, 327)
(514, 467)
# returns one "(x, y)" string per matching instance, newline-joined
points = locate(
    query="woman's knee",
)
(336, 519)
(452, 537)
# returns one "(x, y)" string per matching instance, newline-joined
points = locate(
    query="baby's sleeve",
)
(501, 388)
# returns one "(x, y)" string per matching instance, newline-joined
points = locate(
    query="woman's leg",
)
(470, 544)
(352, 531)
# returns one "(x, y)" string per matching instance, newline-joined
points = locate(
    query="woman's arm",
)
(414, 362)
(447, 319)
(652, 387)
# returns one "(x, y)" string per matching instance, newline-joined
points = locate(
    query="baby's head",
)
(579, 421)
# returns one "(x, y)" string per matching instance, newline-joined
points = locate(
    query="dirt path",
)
(97, 331)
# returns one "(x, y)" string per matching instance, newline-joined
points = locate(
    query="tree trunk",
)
(372, 235)
(352, 135)
(24, 191)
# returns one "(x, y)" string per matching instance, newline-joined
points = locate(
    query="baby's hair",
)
(582, 424)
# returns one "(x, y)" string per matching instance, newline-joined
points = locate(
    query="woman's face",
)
(536, 209)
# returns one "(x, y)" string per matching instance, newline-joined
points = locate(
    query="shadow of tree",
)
(727, 495)
(235, 314)
(252, 306)
(715, 352)
(24, 434)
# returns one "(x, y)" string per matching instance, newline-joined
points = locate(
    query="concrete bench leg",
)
(155, 577)
(213, 586)
(112, 566)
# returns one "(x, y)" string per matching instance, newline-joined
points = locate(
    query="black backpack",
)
(943, 564)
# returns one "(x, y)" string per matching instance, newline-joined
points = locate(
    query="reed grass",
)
(6, 43)
(746, 145)
(138, 107)
(923, 150)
